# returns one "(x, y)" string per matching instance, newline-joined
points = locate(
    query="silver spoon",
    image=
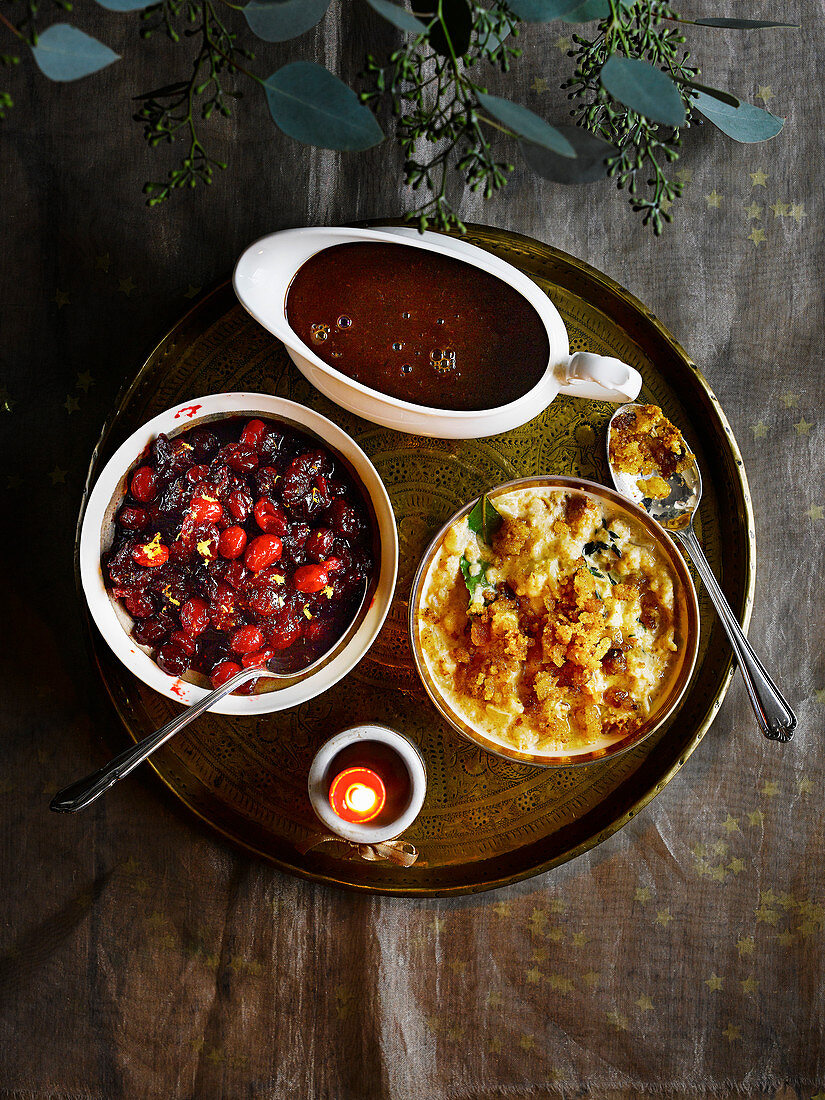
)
(85, 791)
(675, 513)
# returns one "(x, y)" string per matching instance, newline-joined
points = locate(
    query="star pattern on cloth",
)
(539, 85)
(819, 695)
(755, 818)
(644, 1002)
(732, 1032)
(758, 178)
(750, 984)
(579, 939)
(560, 983)
(643, 894)
(192, 291)
(789, 400)
(537, 921)
(780, 209)
(502, 908)
(685, 175)
(766, 94)
(731, 825)
(736, 865)
(84, 381)
(816, 511)
(663, 917)
(745, 945)
(591, 978)
(617, 1020)
(770, 788)
(759, 429)
(802, 427)
(714, 982)
(797, 212)
(61, 298)
(563, 44)
(757, 235)
(753, 212)
(126, 286)
(494, 999)
(71, 404)
(533, 975)
(805, 786)
(102, 262)
(527, 1042)
(58, 475)
(714, 200)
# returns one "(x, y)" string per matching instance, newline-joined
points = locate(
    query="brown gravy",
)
(418, 325)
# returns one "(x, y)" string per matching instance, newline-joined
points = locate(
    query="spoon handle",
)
(775, 717)
(85, 791)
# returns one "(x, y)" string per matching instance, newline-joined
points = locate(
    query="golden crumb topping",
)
(644, 442)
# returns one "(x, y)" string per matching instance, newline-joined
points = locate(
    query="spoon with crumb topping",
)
(652, 466)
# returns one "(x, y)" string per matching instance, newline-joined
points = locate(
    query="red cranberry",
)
(152, 631)
(247, 639)
(144, 485)
(295, 541)
(133, 519)
(206, 539)
(270, 517)
(253, 433)
(263, 551)
(152, 554)
(197, 473)
(319, 544)
(242, 459)
(265, 597)
(270, 445)
(284, 629)
(266, 478)
(139, 605)
(224, 613)
(183, 641)
(235, 574)
(318, 630)
(194, 615)
(259, 658)
(239, 504)
(344, 519)
(311, 578)
(232, 542)
(171, 660)
(205, 508)
(224, 671)
(204, 443)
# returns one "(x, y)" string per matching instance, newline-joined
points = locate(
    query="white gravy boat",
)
(266, 269)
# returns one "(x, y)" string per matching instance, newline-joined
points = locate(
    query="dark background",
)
(142, 956)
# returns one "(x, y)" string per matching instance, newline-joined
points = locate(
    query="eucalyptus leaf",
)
(717, 93)
(125, 5)
(311, 105)
(281, 20)
(737, 24)
(399, 17)
(644, 89)
(591, 158)
(526, 124)
(545, 11)
(458, 20)
(590, 9)
(744, 123)
(64, 53)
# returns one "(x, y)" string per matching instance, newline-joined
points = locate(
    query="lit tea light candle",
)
(357, 795)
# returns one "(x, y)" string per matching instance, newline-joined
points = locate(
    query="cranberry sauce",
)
(418, 325)
(237, 543)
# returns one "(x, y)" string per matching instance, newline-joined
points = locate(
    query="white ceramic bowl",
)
(266, 269)
(97, 534)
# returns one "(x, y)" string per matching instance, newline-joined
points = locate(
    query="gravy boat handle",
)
(585, 374)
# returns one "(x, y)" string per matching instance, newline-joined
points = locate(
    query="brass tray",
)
(486, 822)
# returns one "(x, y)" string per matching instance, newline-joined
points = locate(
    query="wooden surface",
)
(142, 957)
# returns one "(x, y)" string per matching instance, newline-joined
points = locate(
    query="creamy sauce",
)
(418, 325)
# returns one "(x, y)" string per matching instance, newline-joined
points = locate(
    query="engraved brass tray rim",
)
(158, 351)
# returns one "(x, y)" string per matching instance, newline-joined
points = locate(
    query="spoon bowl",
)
(675, 513)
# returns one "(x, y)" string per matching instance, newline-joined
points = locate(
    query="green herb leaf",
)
(64, 53)
(737, 24)
(526, 124)
(281, 20)
(744, 123)
(590, 163)
(473, 581)
(644, 89)
(399, 17)
(484, 519)
(311, 105)
(450, 34)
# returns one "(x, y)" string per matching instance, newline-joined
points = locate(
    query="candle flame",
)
(357, 794)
